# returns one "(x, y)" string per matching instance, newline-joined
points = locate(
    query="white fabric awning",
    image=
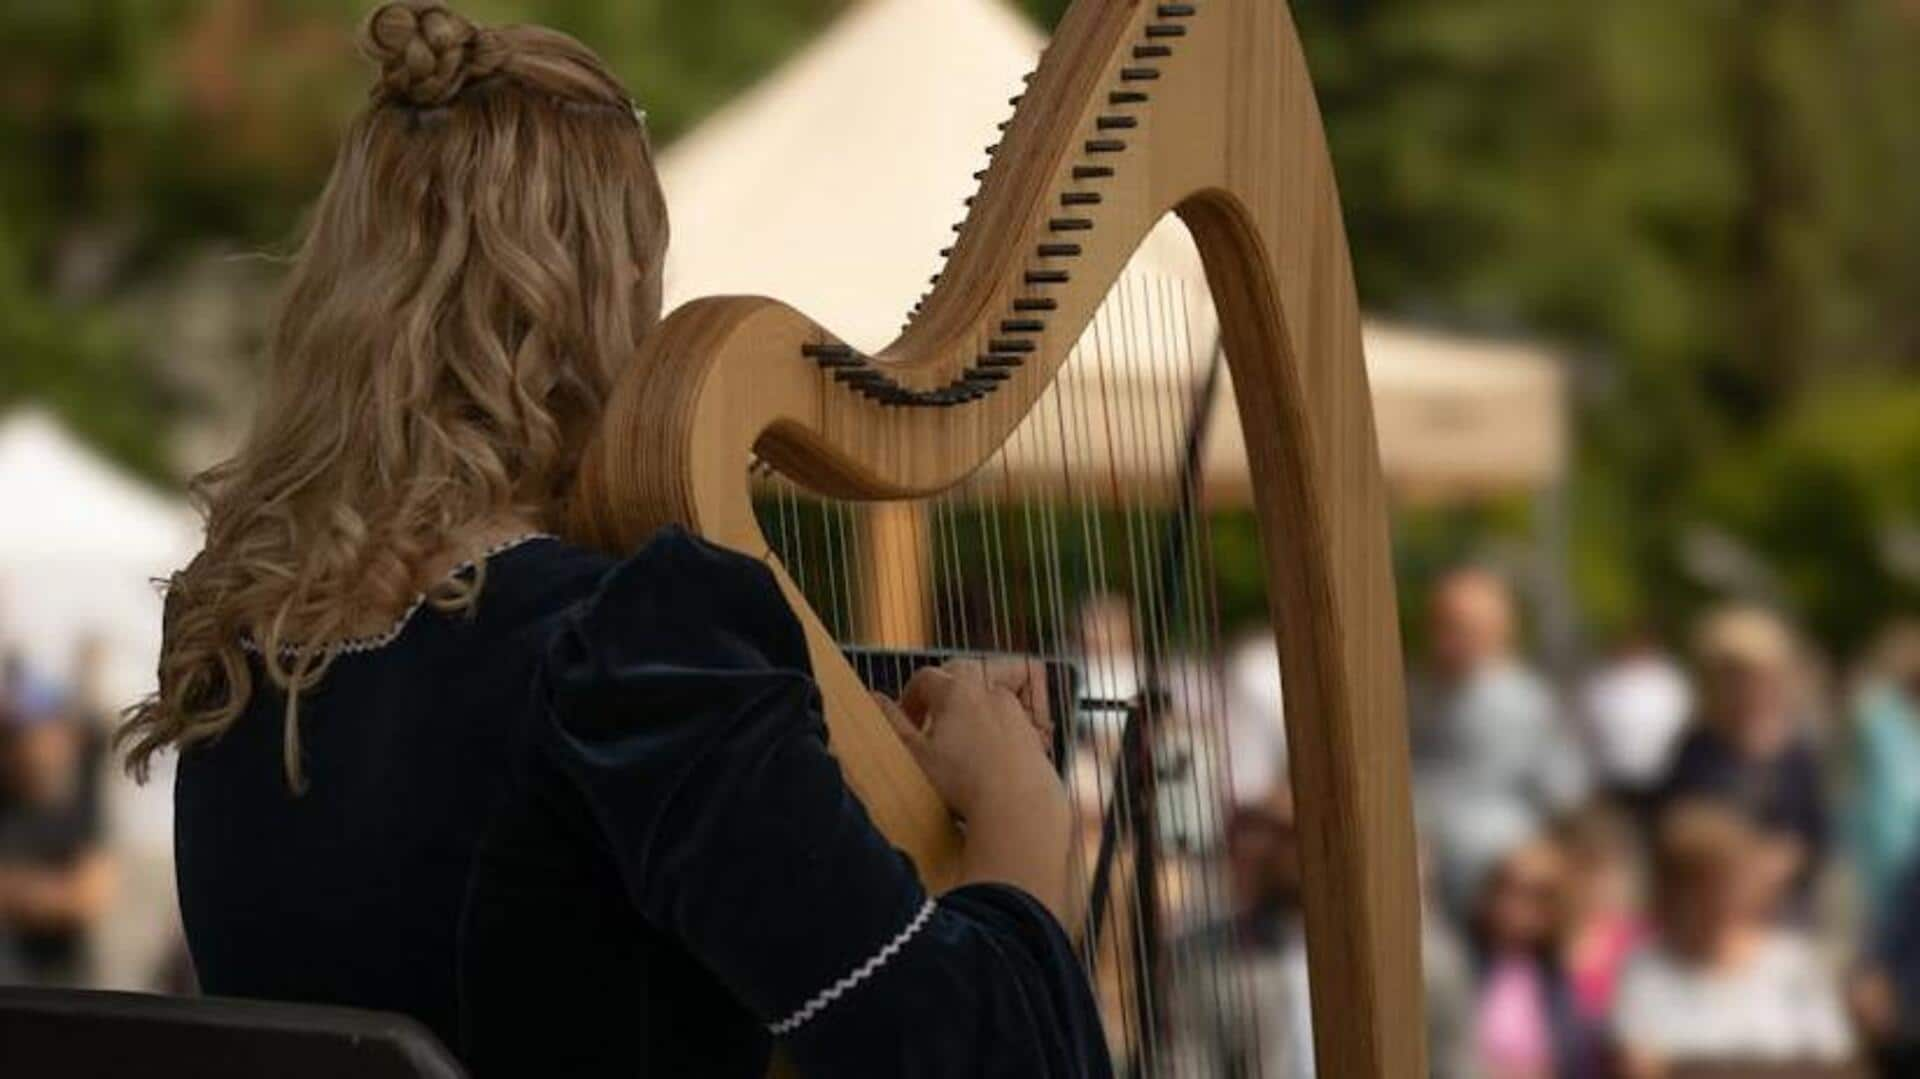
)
(80, 546)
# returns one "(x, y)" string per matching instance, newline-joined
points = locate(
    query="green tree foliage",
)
(1714, 201)
(134, 133)
(71, 100)
(1832, 493)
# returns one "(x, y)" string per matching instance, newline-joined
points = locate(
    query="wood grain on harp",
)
(1138, 109)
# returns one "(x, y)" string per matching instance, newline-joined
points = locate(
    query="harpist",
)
(576, 814)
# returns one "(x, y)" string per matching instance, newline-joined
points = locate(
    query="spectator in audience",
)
(1255, 713)
(1604, 923)
(56, 877)
(1886, 991)
(1268, 1031)
(1720, 985)
(1449, 985)
(1526, 1024)
(1256, 1022)
(1883, 815)
(1635, 706)
(1490, 748)
(1749, 746)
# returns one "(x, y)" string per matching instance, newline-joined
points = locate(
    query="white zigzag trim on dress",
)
(854, 977)
(381, 640)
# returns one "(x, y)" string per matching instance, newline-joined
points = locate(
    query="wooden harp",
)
(1137, 110)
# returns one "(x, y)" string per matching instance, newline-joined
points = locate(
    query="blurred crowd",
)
(57, 876)
(1696, 861)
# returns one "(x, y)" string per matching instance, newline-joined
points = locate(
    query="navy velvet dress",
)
(593, 828)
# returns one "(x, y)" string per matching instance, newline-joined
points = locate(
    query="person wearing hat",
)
(1748, 746)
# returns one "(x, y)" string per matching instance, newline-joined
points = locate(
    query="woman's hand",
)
(980, 730)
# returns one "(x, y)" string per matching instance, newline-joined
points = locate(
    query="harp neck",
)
(1137, 110)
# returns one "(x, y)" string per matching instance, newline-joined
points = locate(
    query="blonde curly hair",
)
(485, 254)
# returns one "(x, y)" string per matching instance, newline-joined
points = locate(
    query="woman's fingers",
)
(1043, 726)
(925, 691)
(1026, 681)
(1036, 695)
(903, 725)
(975, 671)
(1022, 684)
(1020, 677)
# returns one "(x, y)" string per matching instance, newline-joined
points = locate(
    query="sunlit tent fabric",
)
(81, 548)
(833, 184)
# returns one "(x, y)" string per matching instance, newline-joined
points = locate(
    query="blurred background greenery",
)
(1712, 203)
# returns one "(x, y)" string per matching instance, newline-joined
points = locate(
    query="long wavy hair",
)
(485, 254)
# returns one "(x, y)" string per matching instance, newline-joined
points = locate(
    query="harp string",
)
(1184, 424)
(1186, 807)
(1083, 543)
(1113, 961)
(949, 627)
(1176, 799)
(1175, 677)
(1120, 816)
(1001, 613)
(1195, 387)
(1141, 755)
(1042, 581)
(1086, 765)
(1206, 699)
(961, 638)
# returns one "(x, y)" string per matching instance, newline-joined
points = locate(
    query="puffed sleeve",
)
(683, 710)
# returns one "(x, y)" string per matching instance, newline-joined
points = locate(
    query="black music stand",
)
(84, 1034)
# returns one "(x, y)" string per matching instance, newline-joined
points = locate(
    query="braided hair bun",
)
(428, 52)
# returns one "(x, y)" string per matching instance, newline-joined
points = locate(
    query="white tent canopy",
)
(80, 547)
(833, 183)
